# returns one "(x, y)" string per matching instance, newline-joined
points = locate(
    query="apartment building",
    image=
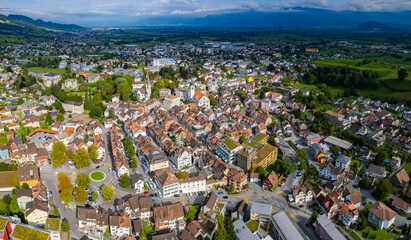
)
(169, 216)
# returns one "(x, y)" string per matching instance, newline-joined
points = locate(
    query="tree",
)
(213, 101)
(58, 154)
(402, 74)
(242, 139)
(80, 194)
(60, 117)
(220, 233)
(380, 157)
(81, 158)
(94, 196)
(124, 90)
(365, 183)
(48, 119)
(133, 163)
(125, 181)
(289, 167)
(314, 216)
(92, 151)
(64, 182)
(65, 226)
(383, 189)
(183, 174)
(83, 180)
(25, 185)
(107, 192)
(66, 196)
(55, 212)
(229, 228)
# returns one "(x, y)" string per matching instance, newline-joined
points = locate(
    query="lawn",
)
(52, 224)
(147, 230)
(191, 214)
(47, 70)
(351, 233)
(253, 225)
(369, 233)
(3, 140)
(408, 168)
(46, 57)
(97, 176)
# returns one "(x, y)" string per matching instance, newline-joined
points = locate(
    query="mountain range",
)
(23, 22)
(288, 18)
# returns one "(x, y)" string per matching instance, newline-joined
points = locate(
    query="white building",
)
(182, 158)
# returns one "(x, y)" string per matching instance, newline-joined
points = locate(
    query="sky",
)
(89, 12)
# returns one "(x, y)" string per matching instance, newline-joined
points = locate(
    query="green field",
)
(388, 85)
(97, 176)
(3, 140)
(253, 225)
(378, 234)
(47, 70)
(46, 57)
(408, 168)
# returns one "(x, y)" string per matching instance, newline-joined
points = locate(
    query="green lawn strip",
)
(253, 225)
(192, 212)
(147, 230)
(52, 224)
(408, 168)
(3, 140)
(47, 70)
(368, 233)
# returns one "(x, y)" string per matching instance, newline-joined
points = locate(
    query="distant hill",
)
(20, 21)
(375, 26)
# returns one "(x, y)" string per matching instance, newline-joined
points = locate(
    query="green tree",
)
(25, 185)
(124, 90)
(92, 151)
(213, 101)
(380, 157)
(125, 181)
(383, 189)
(242, 139)
(66, 196)
(289, 167)
(94, 196)
(314, 216)
(229, 228)
(65, 226)
(133, 163)
(81, 158)
(58, 154)
(107, 192)
(48, 119)
(60, 117)
(80, 194)
(55, 212)
(220, 233)
(83, 180)
(402, 74)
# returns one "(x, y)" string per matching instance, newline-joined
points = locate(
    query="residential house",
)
(92, 221)
(28, 174)
(302, 194)
(37, 214)
(211, 203)
(343, 162)
(381, 216)
(169, 216)
(227, 149)
(120, 225)
(348, 214)
(402, 205)
(167, 182)
(137, 183)
(400, 179)
(260, 211)
(270, 181)
(376, 172)
(23, 197)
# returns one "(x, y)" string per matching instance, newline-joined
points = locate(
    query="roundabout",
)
(97, 176)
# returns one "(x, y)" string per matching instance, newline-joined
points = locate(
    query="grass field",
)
(378, 234)
(97, 175)
(253, 225)
(3, 140)
(387, 76)
(47, 70)
(46, 57)
(408, 168)
(147, 229)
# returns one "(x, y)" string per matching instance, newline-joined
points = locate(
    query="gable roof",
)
(382, 211)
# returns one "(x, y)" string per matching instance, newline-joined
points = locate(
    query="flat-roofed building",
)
(284, 228)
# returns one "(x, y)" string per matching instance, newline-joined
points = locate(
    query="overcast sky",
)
(86, 12)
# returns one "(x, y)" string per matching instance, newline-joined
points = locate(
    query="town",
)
(202, 140)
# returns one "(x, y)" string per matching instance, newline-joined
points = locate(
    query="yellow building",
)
(38, 213)
(265, 156)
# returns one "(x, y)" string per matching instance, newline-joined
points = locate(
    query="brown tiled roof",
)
(167, 212)
(356, 197)
(211, 200)
(165, 176)
(398, 202)
(402, 177)
(383, 212)
(38, 204)
(28, 173)
(120, 221)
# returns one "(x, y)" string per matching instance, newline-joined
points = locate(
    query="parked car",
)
(97, 167)
(146, 192)
(176, 195)
(220, 193)
(364, 204)
(225, 197)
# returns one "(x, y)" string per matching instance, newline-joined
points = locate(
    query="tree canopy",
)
(58, 154)
(83, 180)
(80, 194)
(81, 158)
(125, 181)
(107, 192)
(383, 189)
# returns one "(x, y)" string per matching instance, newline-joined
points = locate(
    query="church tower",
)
(192, 91)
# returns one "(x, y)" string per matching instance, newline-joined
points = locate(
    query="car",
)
(220, 193)
(300, 206)
(176, 195)
(364, 204)
(225, 197)
(146, 192)
(155, 195)
(151, 195)
(280, 185)
(97, 167)
(284, 180)
(87, 205)
(409, 218)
